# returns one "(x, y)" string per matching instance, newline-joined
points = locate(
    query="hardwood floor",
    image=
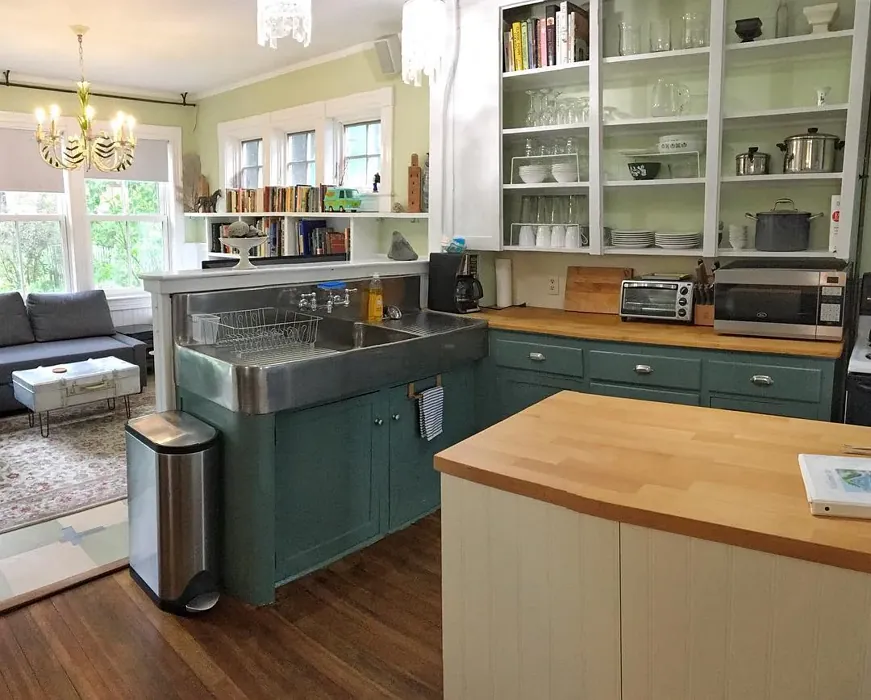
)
(369, 626)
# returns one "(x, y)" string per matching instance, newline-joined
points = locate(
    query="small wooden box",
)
(703, 315)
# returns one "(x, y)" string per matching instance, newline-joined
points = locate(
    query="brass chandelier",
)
(86, 149)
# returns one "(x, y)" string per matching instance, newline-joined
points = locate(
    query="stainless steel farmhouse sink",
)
(333, 358)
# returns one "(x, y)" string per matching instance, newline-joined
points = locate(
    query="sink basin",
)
(349, 357)
(340, 334)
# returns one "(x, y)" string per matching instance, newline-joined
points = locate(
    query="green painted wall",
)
(22, 100)
(345, 76)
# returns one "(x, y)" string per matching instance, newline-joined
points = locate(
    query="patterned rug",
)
(80, 465)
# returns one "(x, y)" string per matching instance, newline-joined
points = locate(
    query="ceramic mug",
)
(542, 236)
(557, 236)
(573, 237)
(737, 236)
(527, 237)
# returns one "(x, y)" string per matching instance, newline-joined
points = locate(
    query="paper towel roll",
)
(503, 283)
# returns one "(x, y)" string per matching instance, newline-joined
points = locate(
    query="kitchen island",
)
(598, 547)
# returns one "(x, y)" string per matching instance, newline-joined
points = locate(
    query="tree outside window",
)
(127, 224)
(361, 154)
(31, 247)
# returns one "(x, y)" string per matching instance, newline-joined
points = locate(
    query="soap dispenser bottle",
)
(375, 309)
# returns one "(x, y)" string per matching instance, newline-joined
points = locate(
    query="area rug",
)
(80, 465)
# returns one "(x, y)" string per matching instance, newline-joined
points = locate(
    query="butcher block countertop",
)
(570, 324)
(716, 475)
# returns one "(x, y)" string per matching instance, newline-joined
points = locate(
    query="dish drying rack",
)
(255, 330)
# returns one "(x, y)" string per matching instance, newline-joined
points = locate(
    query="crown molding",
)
(326, 58)
(36, 81)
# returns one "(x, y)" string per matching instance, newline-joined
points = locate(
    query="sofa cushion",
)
(15, 328)
(66, 316)
(60, 352)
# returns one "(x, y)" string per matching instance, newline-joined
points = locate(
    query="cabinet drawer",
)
(790, 409)
(759, 380)
(639, 392)
(540, 357)
(646, 369)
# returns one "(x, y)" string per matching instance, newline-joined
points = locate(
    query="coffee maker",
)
(453, 282)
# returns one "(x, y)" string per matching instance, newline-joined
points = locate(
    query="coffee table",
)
(46, 389)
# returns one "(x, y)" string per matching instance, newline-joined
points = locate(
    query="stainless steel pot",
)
(781, 230)
(812, 152)
(752, 162)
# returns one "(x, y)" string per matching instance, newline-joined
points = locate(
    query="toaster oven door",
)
(646, 300)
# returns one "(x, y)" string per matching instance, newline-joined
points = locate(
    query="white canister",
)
(504, 296)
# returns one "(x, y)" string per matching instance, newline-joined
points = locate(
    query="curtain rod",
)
(184, 96)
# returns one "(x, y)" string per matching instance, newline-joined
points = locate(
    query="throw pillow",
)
(66, 316)
(15, 329)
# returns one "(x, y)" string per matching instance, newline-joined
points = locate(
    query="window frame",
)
(289, 162)
(61, 219)
(260, 159)
(343, 159)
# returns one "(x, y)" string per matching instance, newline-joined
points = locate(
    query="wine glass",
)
(532, 114)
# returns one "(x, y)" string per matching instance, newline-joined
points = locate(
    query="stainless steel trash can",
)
(173, 463)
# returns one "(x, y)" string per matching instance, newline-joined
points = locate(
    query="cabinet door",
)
(639, 392)
(790, 409)
(327, 462)
(414, 482)
(519, 390)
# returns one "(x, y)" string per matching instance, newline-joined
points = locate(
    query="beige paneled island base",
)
(606, 548)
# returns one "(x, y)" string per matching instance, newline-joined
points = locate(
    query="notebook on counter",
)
(839, 486)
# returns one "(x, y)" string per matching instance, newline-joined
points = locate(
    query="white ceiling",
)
(172, 46)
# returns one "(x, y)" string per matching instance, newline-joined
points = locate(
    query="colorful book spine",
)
(550, 20)
(532, 32)
(570, 38)
(542, 42)
(507, 53)
(524, 46)
(561, 37)
(518, 50)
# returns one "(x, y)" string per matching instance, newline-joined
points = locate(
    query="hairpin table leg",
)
(127, 405)
(31, 419)
(111, 403)
(47, 429)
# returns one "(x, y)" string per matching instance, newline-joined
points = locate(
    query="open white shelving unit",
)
(367, 240)
(741, 95)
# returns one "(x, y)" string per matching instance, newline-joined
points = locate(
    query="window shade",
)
(150, 164)
(22, 169)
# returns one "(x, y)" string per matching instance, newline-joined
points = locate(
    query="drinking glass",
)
(584, 107)
(557, 223)
(532, 114)
(559, 147)
(563, 112)
(527, 218)
(660, 35)
(542, 220)
(695, 30)
(571, 146)
(630, 39)
(530, 147)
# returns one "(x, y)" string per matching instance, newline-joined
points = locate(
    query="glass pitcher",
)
(669, 99)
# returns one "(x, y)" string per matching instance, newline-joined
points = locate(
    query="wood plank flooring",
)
(369, 626)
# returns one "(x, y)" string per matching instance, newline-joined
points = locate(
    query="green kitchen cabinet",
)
(790, 409)
(519, 389)
(330, 463)
(414, 485)
(645, 393)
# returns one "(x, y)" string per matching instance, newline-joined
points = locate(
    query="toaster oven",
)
(658, 299)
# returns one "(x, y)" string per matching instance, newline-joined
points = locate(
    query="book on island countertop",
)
(839, 486)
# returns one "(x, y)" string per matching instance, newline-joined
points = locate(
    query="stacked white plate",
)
(532, 174)
(632, 238)
(565, 172)
(674, 240)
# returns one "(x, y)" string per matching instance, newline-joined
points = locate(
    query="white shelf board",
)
(753, 253)
(782, 177)
(789, 48)
(681, 60)
(554, 129)
(656, 183)
(312, 215)
(547, 186)
(535, 249)
(612, 250)
(788, 115)
(550, 76)
(691, 122)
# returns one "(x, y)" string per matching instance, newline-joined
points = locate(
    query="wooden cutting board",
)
(595, 290)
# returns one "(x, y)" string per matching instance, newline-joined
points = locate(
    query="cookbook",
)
(839, 486)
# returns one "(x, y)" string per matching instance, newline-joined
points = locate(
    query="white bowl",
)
(820, 16)
(532, 177)
(566, 177)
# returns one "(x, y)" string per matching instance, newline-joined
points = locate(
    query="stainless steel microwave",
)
(781, 298)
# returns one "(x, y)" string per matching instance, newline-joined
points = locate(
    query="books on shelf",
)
(296, 198)
(307, 237)
(556, 34)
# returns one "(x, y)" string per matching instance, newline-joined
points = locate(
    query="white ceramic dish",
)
(533, 177)
(820, 16)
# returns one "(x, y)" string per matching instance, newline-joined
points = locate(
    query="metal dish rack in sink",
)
(255, 331)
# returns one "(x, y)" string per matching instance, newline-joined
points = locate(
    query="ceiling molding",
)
(35, 81)
(326, 58)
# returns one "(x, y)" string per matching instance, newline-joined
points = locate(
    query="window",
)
(32, 242)
(301, 158)
(128, 224)
(252, 164)
(361, 149)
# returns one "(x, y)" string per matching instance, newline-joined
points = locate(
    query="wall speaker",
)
(389, 52)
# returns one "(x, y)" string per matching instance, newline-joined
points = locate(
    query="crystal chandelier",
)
(423, 39)
(85, 149)
(277, 19)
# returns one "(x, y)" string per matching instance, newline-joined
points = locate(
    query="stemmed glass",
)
(533, 114)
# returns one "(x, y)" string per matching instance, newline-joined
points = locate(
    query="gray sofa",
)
(57, 328)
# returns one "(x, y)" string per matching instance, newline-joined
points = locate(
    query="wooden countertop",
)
(717, 475)
(570, 324)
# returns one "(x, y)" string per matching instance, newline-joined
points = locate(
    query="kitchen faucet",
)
(338, 299)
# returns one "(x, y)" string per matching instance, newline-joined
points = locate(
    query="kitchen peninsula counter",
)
(608, 327)
(611, 548)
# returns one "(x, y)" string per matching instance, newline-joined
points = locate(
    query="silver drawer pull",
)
(536, 357)
(643, 369)
(761, 380)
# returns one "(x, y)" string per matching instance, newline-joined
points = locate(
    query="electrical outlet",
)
(553, 285)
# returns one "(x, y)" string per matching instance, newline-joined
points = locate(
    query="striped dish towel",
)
(431, 403)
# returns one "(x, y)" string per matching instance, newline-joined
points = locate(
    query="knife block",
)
(703, 315)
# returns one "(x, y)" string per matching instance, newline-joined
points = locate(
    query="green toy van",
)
(342, 199)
